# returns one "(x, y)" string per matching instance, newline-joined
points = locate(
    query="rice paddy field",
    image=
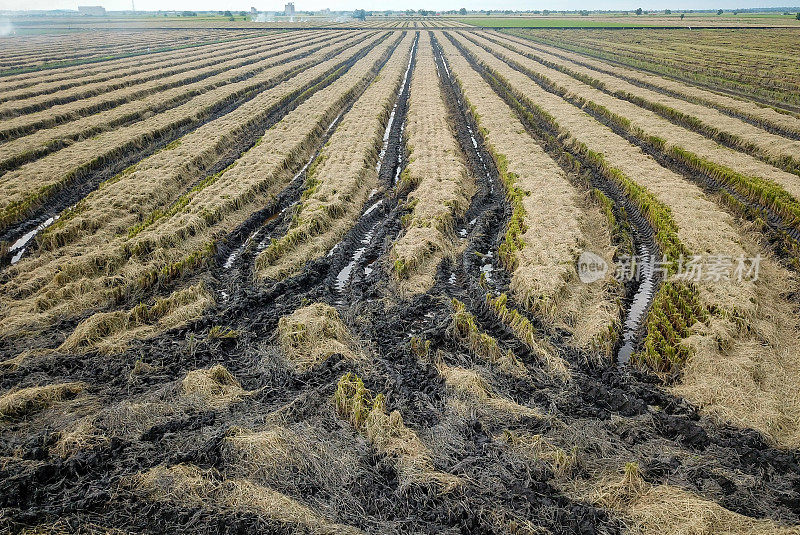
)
(413, 276)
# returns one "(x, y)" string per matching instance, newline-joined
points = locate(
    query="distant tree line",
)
(359, 13)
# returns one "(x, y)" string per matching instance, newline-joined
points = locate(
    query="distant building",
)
(253, 10)
(92, 11)
(289, 9)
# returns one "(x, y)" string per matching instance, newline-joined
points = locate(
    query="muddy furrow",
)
(355, 258)
(237, 252)
(477, 271)
(22, 234)
(483, 224)
(640, 292)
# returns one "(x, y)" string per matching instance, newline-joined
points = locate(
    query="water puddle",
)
(372, 208)
(486, 270)
(446, 68)
(463, 232)
(333, 123)
(643, 296)
(333, 250)
(488, 267)
(20, 246)
(232, 258)
(399, 162)
(390, 122)
(253, 237)
(478, 153)
(344, 275)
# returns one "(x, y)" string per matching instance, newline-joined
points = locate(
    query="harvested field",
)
(763, 68)
(38, 52)
(60, 106)
(30, 186)
(398, 275)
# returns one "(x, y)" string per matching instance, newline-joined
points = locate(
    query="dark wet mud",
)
(610, 411)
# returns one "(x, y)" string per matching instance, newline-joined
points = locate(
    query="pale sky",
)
(272, 5)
